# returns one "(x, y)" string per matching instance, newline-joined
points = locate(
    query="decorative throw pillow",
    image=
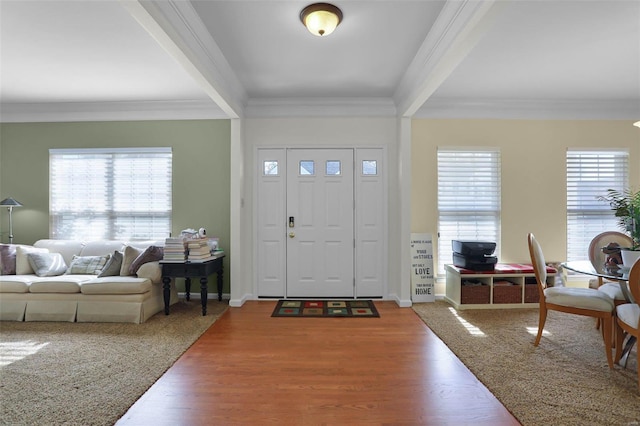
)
(7, 259)
(22, 261)
(130, 254)
(150, 254)
(47, 264)
(151, 271)
(87, 265)
(112, 268)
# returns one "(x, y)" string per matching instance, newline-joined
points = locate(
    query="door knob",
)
(292, 234)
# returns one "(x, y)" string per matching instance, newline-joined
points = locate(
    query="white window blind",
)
(119, 194)
(589, 174)
(468, 198)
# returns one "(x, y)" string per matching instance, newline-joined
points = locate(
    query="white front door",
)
(320, 223)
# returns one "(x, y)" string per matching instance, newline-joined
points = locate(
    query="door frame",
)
(382, 262)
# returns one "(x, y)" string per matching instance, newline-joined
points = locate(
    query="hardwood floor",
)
(250, 368)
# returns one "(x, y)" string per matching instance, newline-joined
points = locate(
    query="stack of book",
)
(198, 250)
(174, 249)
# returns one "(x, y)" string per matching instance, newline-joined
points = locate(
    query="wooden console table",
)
(188, 270)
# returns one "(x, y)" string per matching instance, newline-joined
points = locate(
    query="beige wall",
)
(201, 169)
(533, 172)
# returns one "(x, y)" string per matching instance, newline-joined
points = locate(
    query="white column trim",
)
(176, 26)
(457, 30)
(240, 283)
(404, 183)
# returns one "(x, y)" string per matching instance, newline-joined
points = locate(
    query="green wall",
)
(201, 171)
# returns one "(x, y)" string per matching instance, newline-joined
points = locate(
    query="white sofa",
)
(84, 297)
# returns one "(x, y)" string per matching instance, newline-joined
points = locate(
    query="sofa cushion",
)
(87, 265)
(113, 265)
(15, 283)
(22, 261)
(150, 254)
(101, 247)
(59, 284)
(67, 248)
(130, 254)
(116, 285)
(47, 264)
(7, 259)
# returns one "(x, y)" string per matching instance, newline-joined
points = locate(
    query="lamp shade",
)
(10, 202)
(321, 18)
(637, 124)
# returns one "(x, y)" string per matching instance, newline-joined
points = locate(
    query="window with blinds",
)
(589, 174)
(112, 194)
(468, 198)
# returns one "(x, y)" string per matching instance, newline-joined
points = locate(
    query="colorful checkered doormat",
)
(325, 308)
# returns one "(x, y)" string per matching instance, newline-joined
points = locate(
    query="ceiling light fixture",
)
(321, 18)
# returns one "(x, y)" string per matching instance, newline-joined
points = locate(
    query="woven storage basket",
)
(474, 294)
(531, 294)
(507, 294)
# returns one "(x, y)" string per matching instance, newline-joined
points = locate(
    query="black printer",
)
(474, 255)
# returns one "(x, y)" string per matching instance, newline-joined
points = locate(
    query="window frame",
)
(110, 193)
(460, 208)
(596, 170)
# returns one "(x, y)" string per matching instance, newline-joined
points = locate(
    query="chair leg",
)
(541, 321)
(619, 337)
(638, 362)
(607, 325)
(598, 320)
(613, 332)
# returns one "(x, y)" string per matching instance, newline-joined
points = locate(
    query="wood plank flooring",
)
(250, 368)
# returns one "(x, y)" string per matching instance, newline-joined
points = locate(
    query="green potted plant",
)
(626, 207)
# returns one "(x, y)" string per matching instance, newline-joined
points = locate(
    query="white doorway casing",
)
(365, 205)
(339, 130)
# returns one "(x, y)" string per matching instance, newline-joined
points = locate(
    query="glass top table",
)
(611, 272)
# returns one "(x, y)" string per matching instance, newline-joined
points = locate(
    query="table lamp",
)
(10, 203)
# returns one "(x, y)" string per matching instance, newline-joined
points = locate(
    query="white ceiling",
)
(113, 60)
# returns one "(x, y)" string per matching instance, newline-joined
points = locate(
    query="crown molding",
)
(341, 107)
(320, 107)
(530, 109)
(109, 111)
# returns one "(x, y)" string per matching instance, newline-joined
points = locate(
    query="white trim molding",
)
(320, 107)
(529, 109)
(109, 111)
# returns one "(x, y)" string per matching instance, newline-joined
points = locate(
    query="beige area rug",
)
(90, 373)
(563, 381)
